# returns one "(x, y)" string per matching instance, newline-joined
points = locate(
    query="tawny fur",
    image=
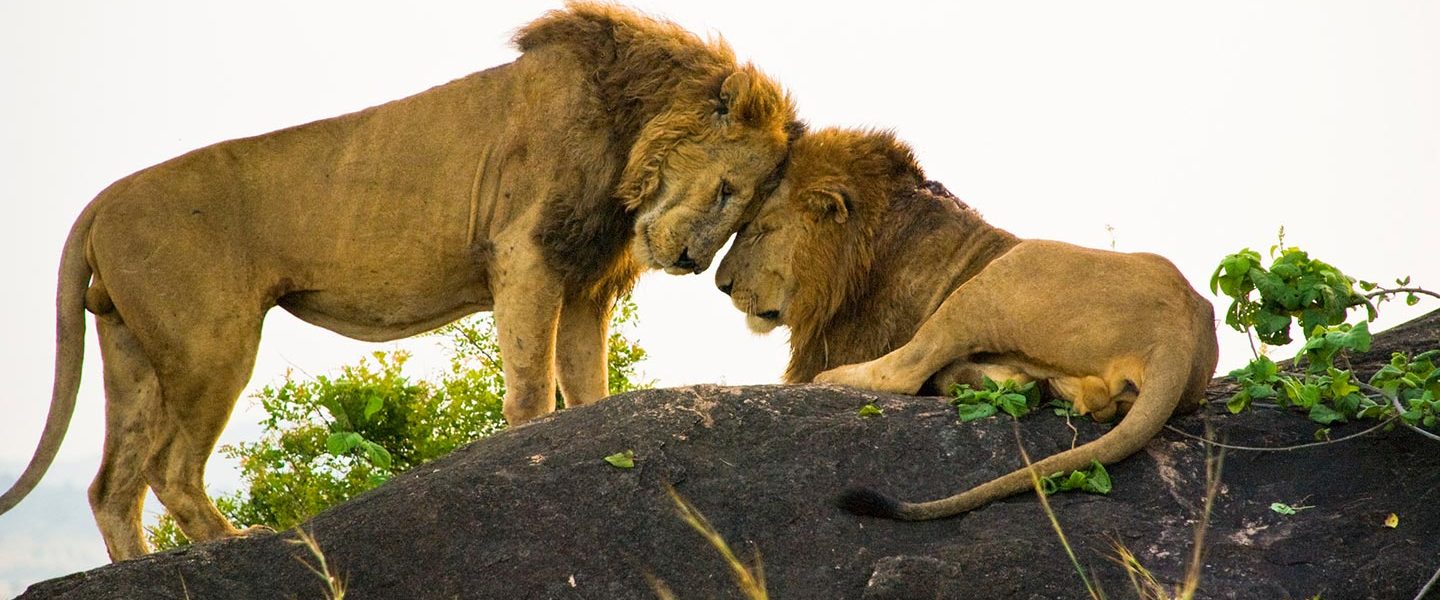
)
(889, 283)
(538, 189)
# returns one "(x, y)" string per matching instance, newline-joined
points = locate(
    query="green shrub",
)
(1320, 297)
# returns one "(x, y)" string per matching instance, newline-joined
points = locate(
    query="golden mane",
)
(656, 85)
(641, 61)
(846, 306)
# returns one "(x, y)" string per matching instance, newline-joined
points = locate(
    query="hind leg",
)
(132, 407)
(200, 380)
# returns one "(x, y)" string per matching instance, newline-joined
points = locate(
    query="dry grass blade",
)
(1214, 465)
(1094, 590)
(751, 580)
(662, 591)
(1146, 586)
(334, 586)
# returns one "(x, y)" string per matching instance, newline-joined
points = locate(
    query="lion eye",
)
(724, 194)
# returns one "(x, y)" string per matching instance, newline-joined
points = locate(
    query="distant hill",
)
(51, 533)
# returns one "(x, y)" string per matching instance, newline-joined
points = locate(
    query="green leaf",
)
(1095, 480)
(373, 404)
(870, 410)
(1348, 404)
(1098, 481)
(1273, 289)
(1261, 392)
(1341, 383)
(1324, 415)
(1063, 408)
(622, 460)
(376, 454)
(342, 442)
(971, 412)
(1016, 405)
(1238, 403)
(1265, 369)
(1015, 399)
(1357, 338)
(1231, 272)
(1287, 509)
(1272, 328)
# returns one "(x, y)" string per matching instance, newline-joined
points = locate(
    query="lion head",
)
(811, 245)
(697, 169)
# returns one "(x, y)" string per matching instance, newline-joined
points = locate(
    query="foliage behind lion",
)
(868, 263)
(538, 189)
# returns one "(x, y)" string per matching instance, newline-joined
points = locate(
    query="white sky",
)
(1191, 130)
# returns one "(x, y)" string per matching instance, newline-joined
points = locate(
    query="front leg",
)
(582, 350)
(946, 336)
(871, 375)
(527, 311)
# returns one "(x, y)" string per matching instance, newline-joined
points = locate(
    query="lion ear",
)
(732, 91)
(831, 204)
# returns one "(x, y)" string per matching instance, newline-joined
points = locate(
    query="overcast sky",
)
(1189, 131)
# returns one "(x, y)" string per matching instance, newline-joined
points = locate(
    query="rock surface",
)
(535, 512)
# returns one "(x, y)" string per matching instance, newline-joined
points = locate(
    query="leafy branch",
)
(1266, 302)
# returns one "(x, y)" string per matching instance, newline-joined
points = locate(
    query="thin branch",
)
(1280, 448)
(1399, 410)
(1406, 290)
(1430, 584)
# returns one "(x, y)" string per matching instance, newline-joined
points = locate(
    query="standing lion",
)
(538, 189)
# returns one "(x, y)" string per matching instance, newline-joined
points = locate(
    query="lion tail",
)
(69, 355)
(1166, 381)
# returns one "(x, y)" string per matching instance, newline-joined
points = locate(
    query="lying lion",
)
(866, 263)
(537, 189)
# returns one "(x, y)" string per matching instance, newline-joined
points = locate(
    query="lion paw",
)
(863, 376)
(846, 375)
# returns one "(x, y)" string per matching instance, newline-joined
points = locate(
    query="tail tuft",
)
(869, 503)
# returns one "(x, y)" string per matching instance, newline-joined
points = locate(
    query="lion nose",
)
(726, 287)
(685, 262)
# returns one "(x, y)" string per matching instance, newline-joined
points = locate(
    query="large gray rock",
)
(535, 512)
